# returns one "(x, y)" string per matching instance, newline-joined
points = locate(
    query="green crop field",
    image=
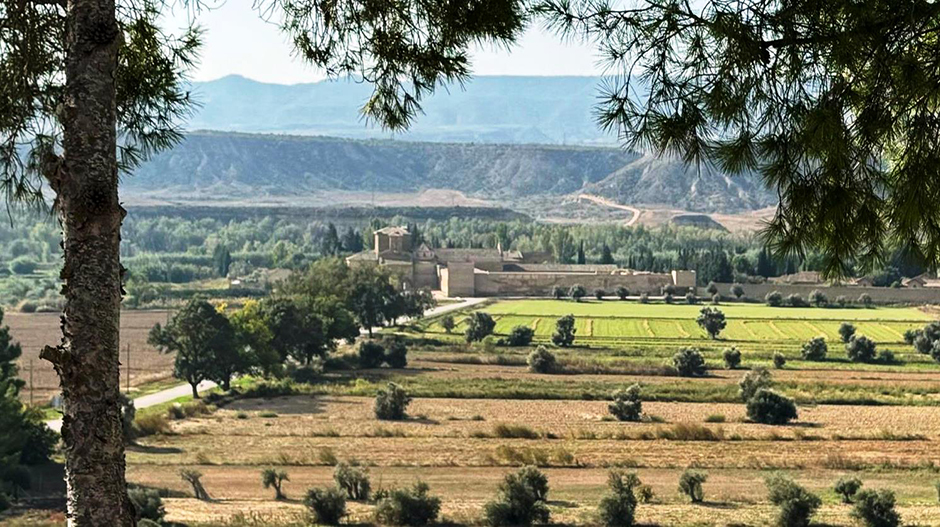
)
(614, 322)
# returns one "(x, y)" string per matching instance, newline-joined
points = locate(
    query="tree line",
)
(299, 324)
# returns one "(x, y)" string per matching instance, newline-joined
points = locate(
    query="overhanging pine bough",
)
(75, 76)
(834, 104)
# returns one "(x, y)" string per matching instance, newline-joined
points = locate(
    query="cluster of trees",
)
(816, 298)
(925, 340)
(408, 506)
(300, 324)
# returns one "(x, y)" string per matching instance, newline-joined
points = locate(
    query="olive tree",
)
(564, 331)
(712, 320)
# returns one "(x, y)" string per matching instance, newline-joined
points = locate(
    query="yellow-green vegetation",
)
(616, 320)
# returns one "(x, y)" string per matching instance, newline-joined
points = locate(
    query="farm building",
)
(498, 272)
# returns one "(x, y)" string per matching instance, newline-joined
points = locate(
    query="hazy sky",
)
(238, 41)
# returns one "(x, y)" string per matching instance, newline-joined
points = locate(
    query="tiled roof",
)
(394, 231)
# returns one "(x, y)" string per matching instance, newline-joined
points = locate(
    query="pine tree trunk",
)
(86, 187)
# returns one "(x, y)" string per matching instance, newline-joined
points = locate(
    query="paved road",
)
(183, 390)
(153, 399)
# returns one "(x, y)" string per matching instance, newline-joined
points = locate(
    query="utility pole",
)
(128, 352)
(31, 383)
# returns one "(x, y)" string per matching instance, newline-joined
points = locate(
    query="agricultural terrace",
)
(479, 412)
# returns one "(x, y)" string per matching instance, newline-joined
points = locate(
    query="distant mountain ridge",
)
(222, 165)
(488, 109)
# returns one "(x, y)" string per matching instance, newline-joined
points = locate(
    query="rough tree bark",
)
(85, 181)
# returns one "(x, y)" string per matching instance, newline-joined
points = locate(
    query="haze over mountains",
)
(505, 138)
(543, 110)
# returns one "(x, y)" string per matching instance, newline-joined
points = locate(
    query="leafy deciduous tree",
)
(204, 342)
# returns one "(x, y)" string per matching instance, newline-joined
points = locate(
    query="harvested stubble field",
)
(35, 330)
(457, 447)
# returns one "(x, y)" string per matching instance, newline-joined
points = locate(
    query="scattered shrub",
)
(770, 408)
(396, 354)
(753, 381)
(627, 405)
(520, 500)
(644, 298)
(818, 298)
(732, 357)
(564, 331)
(507, 431)
(623, 293)
(599, 294)
(797, 505)
(815, 349)
(875, 508)
(27, 306)
(328, 457)
(865, 300)
(737, 291)
(690, 298)
(716, 299)
(308, 374)
(409, 506)
(542, 361)
(715, 418)
(712, 288)
(371, 354)
(391, 403)
(712, 320)
(148, 503)
(559, 292)
(796, 300)
(353, 480)
(577, 292)
(886, 357)
(847, 331)
(645, 493)
(667, 298)
(860, 349)
(689, 362)
(847, 487)
(23, 265)
(448, 323)
(271, 477)
(779, 360)
(774, 299)
(618, 506)
(842, 301)
(328, 506)
(690, 484)
(520, 336)
(479, 326)
(151, 423)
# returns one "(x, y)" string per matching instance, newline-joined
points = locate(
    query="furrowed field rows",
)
(612, 308)
(740, 330)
